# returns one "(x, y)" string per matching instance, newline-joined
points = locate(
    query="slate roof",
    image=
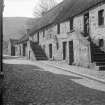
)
(72, 8)
(63, 11)
(23, 38)
(47, 19)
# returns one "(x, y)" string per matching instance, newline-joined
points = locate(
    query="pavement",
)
(27, 81)
(86, 72)
(89, 78)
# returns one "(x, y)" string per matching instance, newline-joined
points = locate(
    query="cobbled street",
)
(34, 83)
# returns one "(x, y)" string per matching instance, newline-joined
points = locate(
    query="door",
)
(86, 24)
(50, 50)
(64, 50)
(71, 53)
(13, 51)
(38, 37)
(20, 50)
(24, 49)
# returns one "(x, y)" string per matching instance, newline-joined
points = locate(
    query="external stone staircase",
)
(38, 51)
(98, 56)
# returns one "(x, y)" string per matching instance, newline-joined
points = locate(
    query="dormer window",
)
(101, 17)
(71, 24)
(58, 28)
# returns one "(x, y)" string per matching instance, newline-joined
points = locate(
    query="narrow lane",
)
(34, 83)
(83, 81)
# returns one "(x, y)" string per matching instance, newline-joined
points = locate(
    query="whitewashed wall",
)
(78, 23)
(50, 31)
(96, 30)
(65, 27)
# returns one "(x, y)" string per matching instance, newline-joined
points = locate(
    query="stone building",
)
(12, 49)
(72, 33)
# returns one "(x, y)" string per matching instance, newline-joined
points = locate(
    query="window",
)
(58, 28)
(101, 17)
(71, 24)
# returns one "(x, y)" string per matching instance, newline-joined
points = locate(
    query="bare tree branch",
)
(43, 7)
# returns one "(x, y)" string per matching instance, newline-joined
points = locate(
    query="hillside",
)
(14, 27)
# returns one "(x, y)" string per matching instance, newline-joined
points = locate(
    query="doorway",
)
(12, 51)
(64, 50)
(38, 37)
(50, 50)
(86, 24)
(29, 55)
(24, 49)
(20, 50)
(71, 53)
(101, 42)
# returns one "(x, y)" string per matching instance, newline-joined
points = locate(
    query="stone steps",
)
(98, 57)
(38, 52)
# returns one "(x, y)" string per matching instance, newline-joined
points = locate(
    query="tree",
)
(43, 7)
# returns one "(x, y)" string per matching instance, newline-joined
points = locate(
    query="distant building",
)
(12, 47)
(73, 31)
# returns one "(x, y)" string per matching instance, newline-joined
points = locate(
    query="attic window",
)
(71, 24)
(101, 17)
(58, 28)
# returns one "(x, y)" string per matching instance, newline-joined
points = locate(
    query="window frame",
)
(101, 17)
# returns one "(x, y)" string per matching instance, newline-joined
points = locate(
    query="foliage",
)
(43, 7)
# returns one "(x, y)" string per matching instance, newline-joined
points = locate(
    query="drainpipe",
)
(1, 51)
(1, 36)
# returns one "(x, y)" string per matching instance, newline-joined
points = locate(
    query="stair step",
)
(100, 63)
(99, 54)
(42, 59)
(99, 60)
(98, 57)
(102, 68)
(38, 51)
(40, 55)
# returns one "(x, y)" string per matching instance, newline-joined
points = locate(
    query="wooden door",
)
(38, 37)
(13, 51)
(29, 54)
(71, 53)
(86, 24)
(50, 50)
(64, 50)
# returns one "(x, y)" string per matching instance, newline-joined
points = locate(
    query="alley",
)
(37, 83)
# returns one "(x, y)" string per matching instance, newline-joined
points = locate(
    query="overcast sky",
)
(20, 8)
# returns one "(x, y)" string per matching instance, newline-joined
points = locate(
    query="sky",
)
(19, 8)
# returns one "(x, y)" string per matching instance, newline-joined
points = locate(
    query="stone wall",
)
(30, 54)
(65, 27)
(97, 32)
(78, 23)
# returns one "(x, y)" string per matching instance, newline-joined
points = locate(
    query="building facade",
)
(76, 36)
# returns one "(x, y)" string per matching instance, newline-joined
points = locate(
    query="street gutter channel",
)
(83, 75)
